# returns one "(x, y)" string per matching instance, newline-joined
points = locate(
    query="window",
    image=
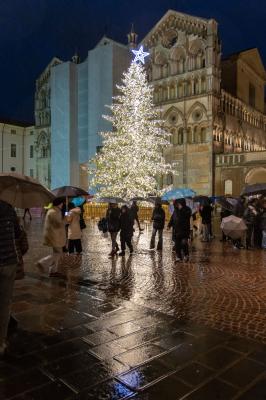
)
(13, 150)
(13, 131)
(12, 169)
(31, 151)
(228, 187)
(31, 172)
(31, 133)
(44, 152)
(252, 95)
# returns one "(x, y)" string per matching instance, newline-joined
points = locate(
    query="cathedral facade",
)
(209, 105)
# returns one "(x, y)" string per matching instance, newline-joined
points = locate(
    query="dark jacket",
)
(239, 209)
(126, 223)
(113, 219)
(263, 220)
(9, 233)
(158, 217)
(180, 222)
(250, 215)
(134, 210)
(206, 214)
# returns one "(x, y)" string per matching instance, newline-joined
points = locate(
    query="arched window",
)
(180, 90)
(190, 135)
(196, 86)
(169, 179)
(203, 85)
(203, 135)
(181, 65)
(180, 136)
(172, 92)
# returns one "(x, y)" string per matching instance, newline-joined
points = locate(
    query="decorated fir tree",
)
(131, 160)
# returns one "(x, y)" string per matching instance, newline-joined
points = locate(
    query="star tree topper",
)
(140, 55)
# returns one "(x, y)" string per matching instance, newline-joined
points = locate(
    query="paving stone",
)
(219, 358)
(179, 356)
(60, 350)
(21, 383)
(107, 350)
(52, 391)
(256, 392)
(100, 337)
(243, 373)
(88, 377)
(194, 374)
(139, 355)
(168, 389)
(71, 364)
(213, 390)
(110, 390)
(144, 375)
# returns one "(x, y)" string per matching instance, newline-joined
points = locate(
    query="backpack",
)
(102, 225)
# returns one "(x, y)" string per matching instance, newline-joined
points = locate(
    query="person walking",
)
(27, 211)
(263, 225)
(74, 230)
(206, 217)
(113, 222)
(180, 222)
(158, 219)
(9, 233)
(250, 216)
(55, 237)
(134, 209)
(126, 232)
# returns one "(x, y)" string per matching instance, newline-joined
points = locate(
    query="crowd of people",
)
(63, 232)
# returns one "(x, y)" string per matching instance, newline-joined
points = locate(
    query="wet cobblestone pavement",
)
(140, 327)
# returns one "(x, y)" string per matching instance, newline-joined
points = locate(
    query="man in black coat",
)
(158, 218)
(126, 230)
(9, 232)
(206, 218)
(180, 222)
(113, 222)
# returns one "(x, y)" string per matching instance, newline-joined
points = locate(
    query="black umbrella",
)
(258, 188)
(69, 191)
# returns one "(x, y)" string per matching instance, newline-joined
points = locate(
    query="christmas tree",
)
(131, 160)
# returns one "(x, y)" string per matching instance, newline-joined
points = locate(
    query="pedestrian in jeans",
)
(158, 219)
(113, 222)
(55, 237)
(74, 231)
(126, 232)
(180, 222)
(9, 233)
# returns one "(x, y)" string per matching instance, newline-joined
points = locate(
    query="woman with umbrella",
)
(113, 221)
(55, 237)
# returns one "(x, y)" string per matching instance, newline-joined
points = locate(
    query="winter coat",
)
(126, 224)
(54, 233)
(263, 220)
(134, 210)
(250, 215)
(113, 219)
(158, 217)
(239, 209)
(206, 214)
(73, 219)
(180, 222)
(9, 233)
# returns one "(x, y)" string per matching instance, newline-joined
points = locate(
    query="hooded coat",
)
(54, 233)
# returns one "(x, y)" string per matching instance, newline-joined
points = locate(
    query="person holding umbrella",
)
(126, 232)
(55, 237)
(180, 222)
(113, 221)
(158, 219)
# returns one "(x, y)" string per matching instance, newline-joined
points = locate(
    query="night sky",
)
(33, 31)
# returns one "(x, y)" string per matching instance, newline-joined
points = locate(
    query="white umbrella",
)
(21, 191)
(233, 227)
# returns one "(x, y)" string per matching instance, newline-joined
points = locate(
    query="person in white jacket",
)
(54, 236)
(74, 230)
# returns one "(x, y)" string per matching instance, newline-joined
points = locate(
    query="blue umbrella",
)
(178, 193)
(78, 201)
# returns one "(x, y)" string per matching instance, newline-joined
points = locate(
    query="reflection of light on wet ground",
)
(206, 289)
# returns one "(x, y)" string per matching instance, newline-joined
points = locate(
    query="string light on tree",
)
(131, 159)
